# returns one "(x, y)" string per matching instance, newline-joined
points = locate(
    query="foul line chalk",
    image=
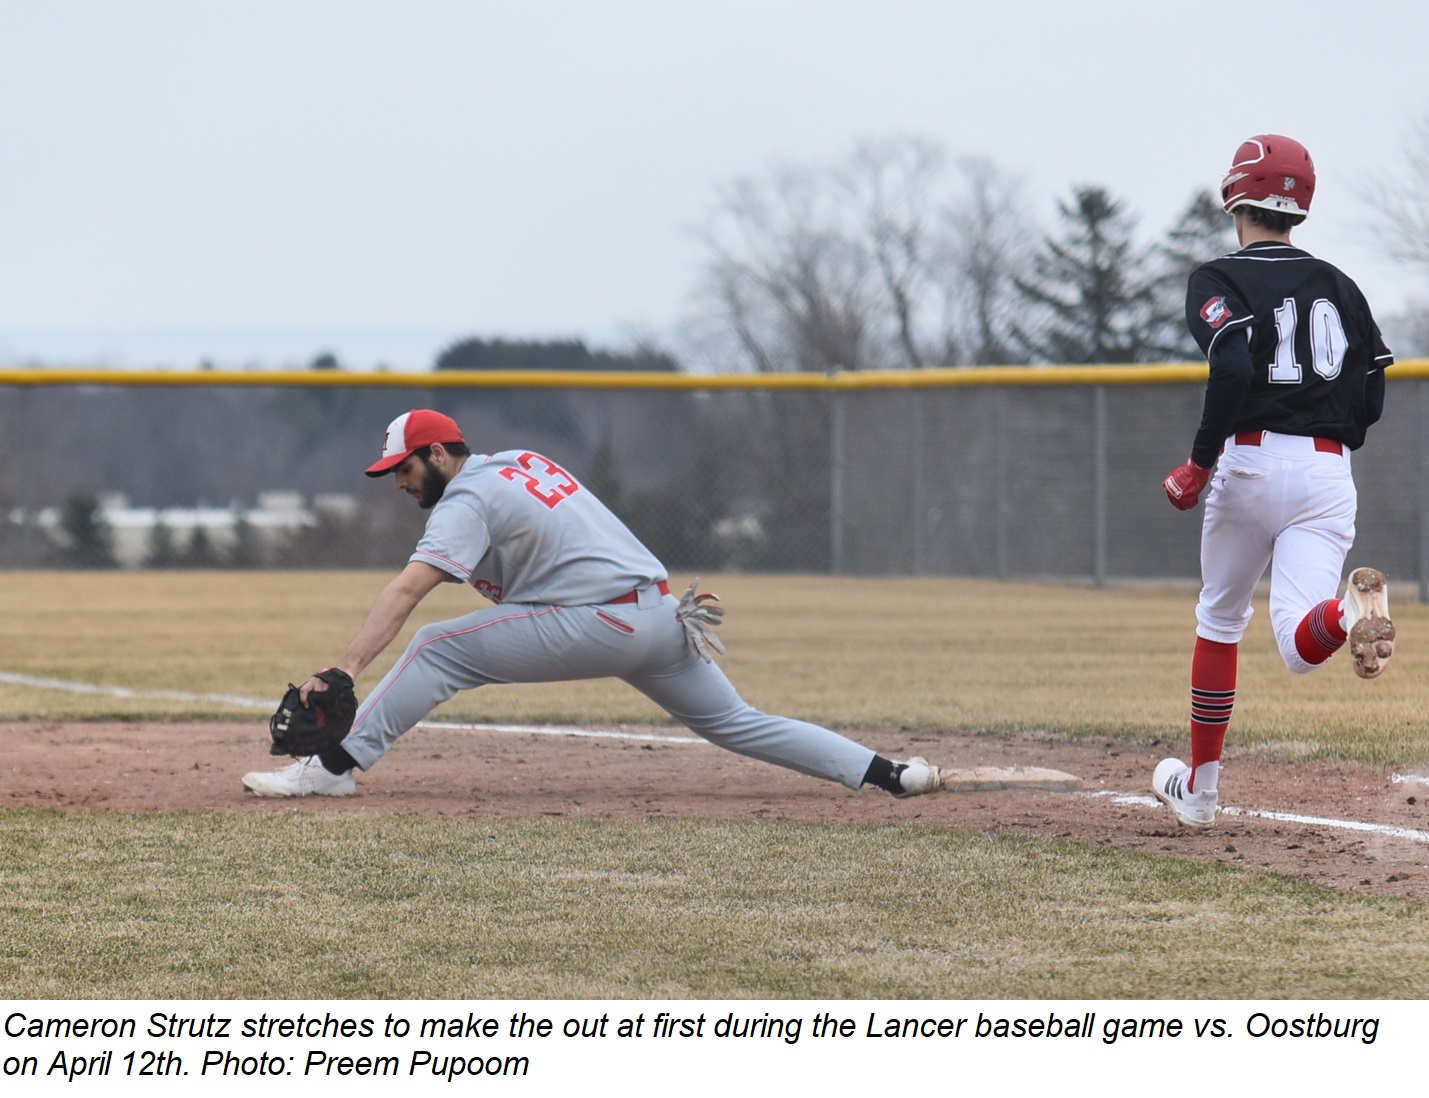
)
(1389, 830)
(265, 704)
(124, 692)
(16, 679)
(1412, 834)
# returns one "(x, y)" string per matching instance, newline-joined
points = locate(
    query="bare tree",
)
(1399, 203)
(1398, 223)
(869, 263)
(787, 276)
(889, 185)
(986, 239)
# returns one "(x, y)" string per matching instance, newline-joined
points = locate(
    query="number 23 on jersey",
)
(543, 478)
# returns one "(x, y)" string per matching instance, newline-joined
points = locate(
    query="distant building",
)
(278, 516)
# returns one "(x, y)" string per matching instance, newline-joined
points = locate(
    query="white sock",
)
(1206, 777)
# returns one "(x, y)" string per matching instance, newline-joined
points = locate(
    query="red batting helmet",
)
(1272, 172)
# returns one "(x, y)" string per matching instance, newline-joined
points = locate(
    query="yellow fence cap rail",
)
(1152, 374)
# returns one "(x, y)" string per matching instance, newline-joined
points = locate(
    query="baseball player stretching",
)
(575, 596)
(1296, 376)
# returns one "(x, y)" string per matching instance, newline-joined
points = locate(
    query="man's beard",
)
(433, 485)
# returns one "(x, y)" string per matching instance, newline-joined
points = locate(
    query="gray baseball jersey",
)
(519, 528)
(578, 596)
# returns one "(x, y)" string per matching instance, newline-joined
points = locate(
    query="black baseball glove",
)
(311, 729)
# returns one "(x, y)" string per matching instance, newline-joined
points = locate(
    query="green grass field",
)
(290, 905)
(203, 906)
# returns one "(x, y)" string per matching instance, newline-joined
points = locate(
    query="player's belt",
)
(634, 596)
(1255, 438)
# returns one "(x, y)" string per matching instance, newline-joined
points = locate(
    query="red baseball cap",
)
(410, 432)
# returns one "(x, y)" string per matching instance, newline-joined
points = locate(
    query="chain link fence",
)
(1037, 473)
(1065, 482)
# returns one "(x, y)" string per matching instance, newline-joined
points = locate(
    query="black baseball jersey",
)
(1292, 348)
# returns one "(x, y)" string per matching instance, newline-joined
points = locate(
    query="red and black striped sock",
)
(1319, 636)
(1213, 671)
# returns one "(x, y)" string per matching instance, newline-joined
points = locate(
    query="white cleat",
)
(304, 778)
(1366, 618)
(1169, 784)
(919, 776)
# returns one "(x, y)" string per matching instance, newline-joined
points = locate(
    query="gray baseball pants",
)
(640, 643)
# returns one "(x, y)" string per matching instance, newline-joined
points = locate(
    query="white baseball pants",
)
(1284, 504)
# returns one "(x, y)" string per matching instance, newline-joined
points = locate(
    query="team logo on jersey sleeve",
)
(1215, 312)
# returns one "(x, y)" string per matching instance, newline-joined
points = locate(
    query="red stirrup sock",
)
(1213, 667)
(1319, 636)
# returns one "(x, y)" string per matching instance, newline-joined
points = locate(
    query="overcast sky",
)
(535, 168)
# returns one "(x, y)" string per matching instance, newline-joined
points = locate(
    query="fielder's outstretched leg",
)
(700, 696)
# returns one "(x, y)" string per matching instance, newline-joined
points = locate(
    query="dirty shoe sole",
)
(1371, 637)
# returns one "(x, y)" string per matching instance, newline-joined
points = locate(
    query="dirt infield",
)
(1342, 826)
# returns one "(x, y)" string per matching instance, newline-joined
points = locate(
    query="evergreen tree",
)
(569, 354)
(89, 539)
(200, 552)
(1203, 232)
(163, 552)
(1089, 296)
(246, 550)
(603, 475)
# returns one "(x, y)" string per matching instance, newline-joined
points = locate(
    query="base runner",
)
(1296, 377)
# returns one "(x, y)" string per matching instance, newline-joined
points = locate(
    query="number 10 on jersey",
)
(1327, 342)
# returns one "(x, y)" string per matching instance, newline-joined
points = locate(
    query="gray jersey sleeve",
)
(455, 540)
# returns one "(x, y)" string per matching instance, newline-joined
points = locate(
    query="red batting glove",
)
(1183, 486)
